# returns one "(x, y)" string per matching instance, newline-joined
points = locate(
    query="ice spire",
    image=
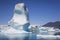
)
(20, 19)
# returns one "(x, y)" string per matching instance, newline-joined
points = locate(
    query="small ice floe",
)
(48, 36)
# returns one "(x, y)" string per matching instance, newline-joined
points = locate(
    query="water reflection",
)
(32, 36)
(29, 36)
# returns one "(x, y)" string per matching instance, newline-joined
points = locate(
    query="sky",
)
(40, 11)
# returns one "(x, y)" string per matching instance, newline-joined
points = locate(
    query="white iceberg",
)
(20, 20)
(18, 25)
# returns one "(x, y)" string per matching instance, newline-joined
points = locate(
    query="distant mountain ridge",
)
(52, 24)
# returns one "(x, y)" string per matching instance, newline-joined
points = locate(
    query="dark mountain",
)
(52, 24)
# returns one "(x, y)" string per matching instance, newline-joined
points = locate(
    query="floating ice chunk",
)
(48, 36)
(20, 20)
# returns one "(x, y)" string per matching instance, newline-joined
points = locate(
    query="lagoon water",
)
(31, 36)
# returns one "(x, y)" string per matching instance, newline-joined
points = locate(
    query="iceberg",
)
(20, 19)
(18, 25)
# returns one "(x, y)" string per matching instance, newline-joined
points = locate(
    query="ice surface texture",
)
(20, 19)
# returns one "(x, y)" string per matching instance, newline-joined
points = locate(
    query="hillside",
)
(52, 24)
